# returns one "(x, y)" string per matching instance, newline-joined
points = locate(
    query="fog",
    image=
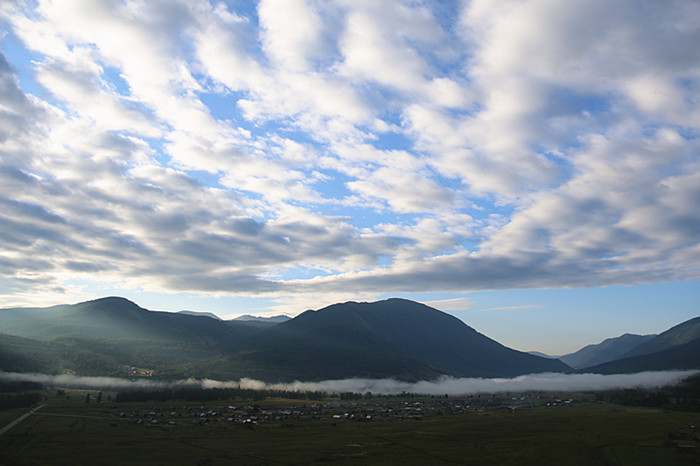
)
(443, 386)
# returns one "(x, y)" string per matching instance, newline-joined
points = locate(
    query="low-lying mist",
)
(552, 382)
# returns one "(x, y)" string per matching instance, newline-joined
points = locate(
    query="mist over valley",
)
(451, 386)
(392, 380)
(387, 346)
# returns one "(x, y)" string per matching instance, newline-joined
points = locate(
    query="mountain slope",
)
(543, 355)
(607, 350)
(119, 318)
(200, 314)
(407, 331)
(680, 357)
(393, 338)
(675, 336)
(18, 354)
(676, 348)
(334, 352)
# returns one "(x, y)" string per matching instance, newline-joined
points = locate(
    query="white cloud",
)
(291, 32)
(362, 146)
(442, 386)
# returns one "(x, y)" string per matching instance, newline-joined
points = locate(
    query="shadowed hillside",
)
(608, 350)
(395, 329)
(675, 336)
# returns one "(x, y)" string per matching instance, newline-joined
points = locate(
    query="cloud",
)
(363, 147)
(442, 386)
(291, 32)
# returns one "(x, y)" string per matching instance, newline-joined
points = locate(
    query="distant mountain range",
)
(274, 319)
(201, 314)
(676, 348)
(394, 338)
(607, 350)
(261, 322)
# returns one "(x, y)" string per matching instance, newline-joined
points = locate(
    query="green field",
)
(410, 431)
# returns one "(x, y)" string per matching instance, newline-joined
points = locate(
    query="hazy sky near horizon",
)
(531, 166)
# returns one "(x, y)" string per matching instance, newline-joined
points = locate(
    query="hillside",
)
(607, 350)
(675, 336)
(18, 354)
(392, 330)
(676, 348)
(119, 318)
(394, 338)
(680, 357)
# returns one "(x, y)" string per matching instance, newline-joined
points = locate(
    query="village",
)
(311, 427)
(389, 408)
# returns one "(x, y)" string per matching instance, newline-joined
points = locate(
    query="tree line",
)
(15, 394)
(682, 397)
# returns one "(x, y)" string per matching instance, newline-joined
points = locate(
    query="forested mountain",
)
(119, 318)
(393, 338)
(430, 337)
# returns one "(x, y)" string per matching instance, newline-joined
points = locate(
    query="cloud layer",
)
(443, 386)
(348, 147)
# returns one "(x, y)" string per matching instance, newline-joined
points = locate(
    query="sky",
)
(529, 166)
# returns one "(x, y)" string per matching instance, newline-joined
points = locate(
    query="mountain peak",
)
(110, 300)
(431, 337)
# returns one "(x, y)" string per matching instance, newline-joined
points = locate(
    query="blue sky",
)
(532, 167)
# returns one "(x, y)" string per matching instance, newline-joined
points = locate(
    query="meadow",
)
(413, 430)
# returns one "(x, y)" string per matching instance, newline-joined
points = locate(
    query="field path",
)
(20, 419)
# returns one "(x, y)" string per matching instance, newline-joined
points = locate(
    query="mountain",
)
(118, 318)
(676, 348)
(675, 336)
(542, 355)
(680, 357)
(275, 319)
(392, 338)
(201, 314)
(18, 354)
(607, 350)
(261, 322)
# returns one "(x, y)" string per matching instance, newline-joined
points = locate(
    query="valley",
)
(394, 338)
(565, 428)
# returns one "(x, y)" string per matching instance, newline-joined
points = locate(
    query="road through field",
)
(20, 419)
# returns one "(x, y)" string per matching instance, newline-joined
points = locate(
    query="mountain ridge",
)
(251, 318)
(430, 337)
(677, 335)
(676, 348)
(607, 350)
(391, 338)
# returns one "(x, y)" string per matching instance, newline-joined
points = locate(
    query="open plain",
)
(517, 429)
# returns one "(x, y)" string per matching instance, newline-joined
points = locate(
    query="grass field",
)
(78, 433)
